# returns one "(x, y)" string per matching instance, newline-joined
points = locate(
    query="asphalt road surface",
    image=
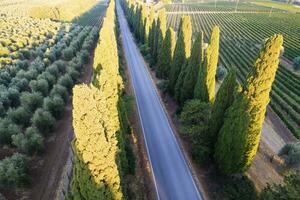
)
(172, 176)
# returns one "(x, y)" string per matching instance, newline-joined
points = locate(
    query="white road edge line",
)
(138, 107)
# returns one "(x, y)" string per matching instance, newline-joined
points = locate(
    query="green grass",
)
(278, 5)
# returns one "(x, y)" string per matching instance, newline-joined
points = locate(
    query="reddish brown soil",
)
(45, 169)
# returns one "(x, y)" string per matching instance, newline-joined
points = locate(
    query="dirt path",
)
(47, 169)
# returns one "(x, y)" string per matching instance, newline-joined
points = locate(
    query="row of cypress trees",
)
(237, 111)
(96, 122)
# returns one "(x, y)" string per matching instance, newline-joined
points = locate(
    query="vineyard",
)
(242, 36)
(40, 62)
(219, 6)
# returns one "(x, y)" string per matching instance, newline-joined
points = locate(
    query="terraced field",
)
(241, 36)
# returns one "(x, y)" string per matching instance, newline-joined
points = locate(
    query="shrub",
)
(59, 90)
(26, 53)
(66, 81)
(38, 64)
(7, 129)
(73, 74)
(4, 52)
(201, 153)
(43, 120)
(235, 188)
(55, 105)
(5, 78)
(2, 110)
(48, 77)
(14, 97)
(221, 73)
(75, 65)
(31, 142)
(85, 56)
(40, 86)
(31, 101)
(20, 116)
(296, 63)
(163, 85)
(291, 151)
(13, 170)
(60, 66)
(195, 117)
(20, 84)
(53, 70)
(4, 99)
(68, 54)
(22, 64)
(290, 189)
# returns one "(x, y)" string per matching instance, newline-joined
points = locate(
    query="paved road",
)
(173, 179)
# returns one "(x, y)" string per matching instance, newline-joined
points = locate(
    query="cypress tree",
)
(160, 33)
(205, 86)
(137, 19)
(146, 30)
(96, 122)
(186, 87)
(143, 17)
(239, 137)
(224, 100)
(166, 55)
(151, 20)
(182, 51)
(152, 37)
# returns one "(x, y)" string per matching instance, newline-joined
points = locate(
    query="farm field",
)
(40, 62)
(241, 37)
(62, 10)
(219, 6)
(131, 99)
(278, 5)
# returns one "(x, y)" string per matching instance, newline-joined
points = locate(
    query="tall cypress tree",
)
(224, 100)
(152, 37)
(182, 51)
(137, 18)
(187, 85)
(239, 137)
(166, 55)
(205, 86)
(160, 33)
(143, 17)
(151, 20)
(146, 30)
